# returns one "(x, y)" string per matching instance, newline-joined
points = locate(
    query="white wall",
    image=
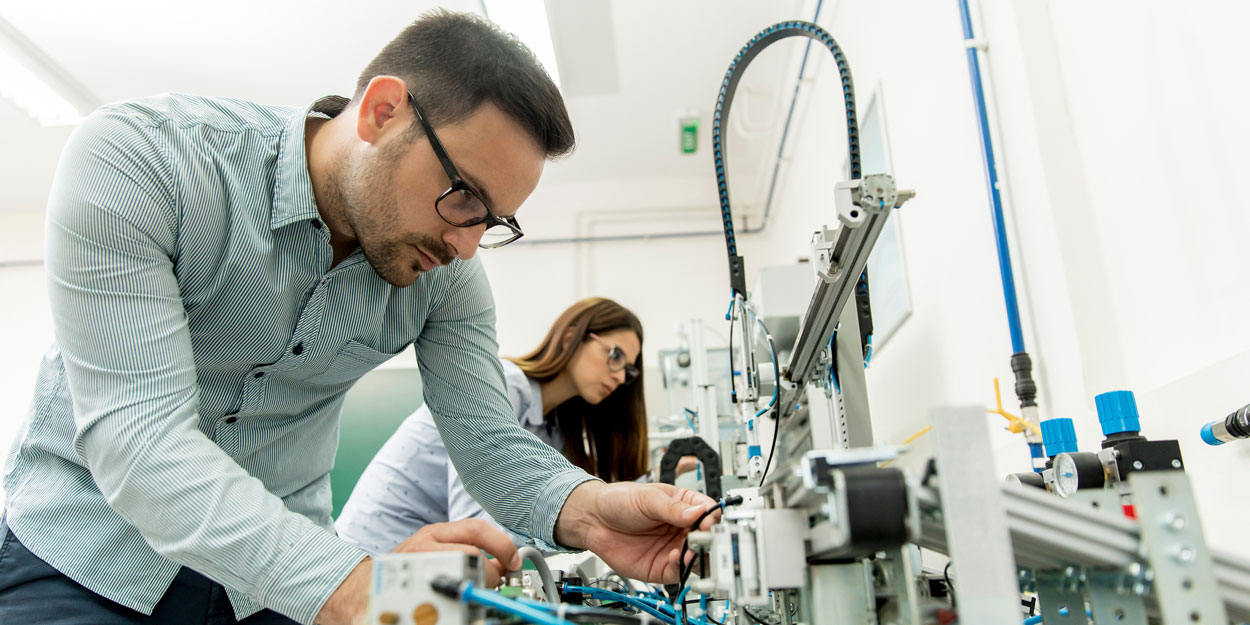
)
(25, 320)
(1117, 142)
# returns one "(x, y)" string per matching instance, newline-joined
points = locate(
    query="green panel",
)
(372, 410)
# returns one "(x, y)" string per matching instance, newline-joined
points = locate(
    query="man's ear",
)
(383, 105)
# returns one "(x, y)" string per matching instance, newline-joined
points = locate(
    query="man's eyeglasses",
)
(461, 205)
(617, 361)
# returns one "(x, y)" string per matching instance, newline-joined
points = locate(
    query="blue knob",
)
(1117, 412)
(1208, 436)
(1059, 436)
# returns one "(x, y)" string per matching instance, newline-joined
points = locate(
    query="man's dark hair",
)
(454, 62)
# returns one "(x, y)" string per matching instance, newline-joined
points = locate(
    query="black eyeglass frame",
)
(631, 371)
(458, 184)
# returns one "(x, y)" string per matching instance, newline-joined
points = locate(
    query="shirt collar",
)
(293, 198)
(534, 413)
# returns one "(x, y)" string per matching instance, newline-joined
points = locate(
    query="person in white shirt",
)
(580, 391)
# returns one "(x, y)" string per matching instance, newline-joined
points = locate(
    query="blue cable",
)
(991, 181)
(659, 610)
(681, 596)
(833, 377)
(509, 606)
(1033, 620)
(868, 354)
(686, 412)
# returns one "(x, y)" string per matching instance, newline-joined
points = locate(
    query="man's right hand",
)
(472, 536)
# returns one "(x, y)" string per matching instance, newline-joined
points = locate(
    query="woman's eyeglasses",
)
(617, 360)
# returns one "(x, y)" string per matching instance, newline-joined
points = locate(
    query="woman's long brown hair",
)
(608, 440)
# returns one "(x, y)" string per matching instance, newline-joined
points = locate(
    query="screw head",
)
(1176, 463)
(1185, 555)
(1137, 464)
(1175, 522)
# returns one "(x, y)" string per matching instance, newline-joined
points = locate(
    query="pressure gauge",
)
(1077, 470)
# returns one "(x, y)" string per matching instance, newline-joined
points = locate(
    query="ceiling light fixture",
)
(37, 84)
(527, 19)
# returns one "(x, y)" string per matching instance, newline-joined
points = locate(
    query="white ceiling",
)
(670, 57)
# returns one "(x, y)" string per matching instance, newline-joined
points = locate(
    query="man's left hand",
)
(638, 529)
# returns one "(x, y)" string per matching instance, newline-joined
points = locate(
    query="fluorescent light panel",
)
(527, 19)
(37, 84)
(32, 95)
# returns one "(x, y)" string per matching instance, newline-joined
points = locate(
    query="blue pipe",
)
(991, 180)
(503, 604)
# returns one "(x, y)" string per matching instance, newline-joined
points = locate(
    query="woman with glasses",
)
(580, 391)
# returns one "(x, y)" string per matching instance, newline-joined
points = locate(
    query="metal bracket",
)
(841, 593)
(1101, 499)
(1110, 603)
(1184, 578)
(1061, 596)
(902, 580)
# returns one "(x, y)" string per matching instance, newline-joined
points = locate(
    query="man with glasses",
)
(220, 273)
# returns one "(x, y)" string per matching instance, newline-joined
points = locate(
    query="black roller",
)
(876, 501)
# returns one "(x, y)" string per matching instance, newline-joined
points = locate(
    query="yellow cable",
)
(1017, 424)
(909, 440)
(917, 435)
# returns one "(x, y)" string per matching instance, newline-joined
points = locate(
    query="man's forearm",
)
(347, 605)
(578, 515)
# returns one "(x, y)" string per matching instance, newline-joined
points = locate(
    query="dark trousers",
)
(32, 592)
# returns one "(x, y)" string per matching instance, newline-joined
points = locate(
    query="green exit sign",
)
(689, 135)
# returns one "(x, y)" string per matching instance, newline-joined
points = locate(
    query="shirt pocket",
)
(351, 362)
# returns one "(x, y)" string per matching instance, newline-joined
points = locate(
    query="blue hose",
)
(507, 606)
(991, 181)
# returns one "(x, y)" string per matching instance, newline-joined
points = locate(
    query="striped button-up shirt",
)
(187, 413)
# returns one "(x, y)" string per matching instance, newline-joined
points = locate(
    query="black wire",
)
(684, 570)
(754, 617)
(950, 588)
(599, 580)
(686, 545)
(772, 348)
(773, 449)
(705, 616)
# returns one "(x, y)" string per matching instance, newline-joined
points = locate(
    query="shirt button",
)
(298, 349)
(231, 419)
(316, 223)
(259, 374)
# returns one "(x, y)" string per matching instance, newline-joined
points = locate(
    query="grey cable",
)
(544, 572)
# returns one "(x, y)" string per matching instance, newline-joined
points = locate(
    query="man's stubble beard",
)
(363, 190)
